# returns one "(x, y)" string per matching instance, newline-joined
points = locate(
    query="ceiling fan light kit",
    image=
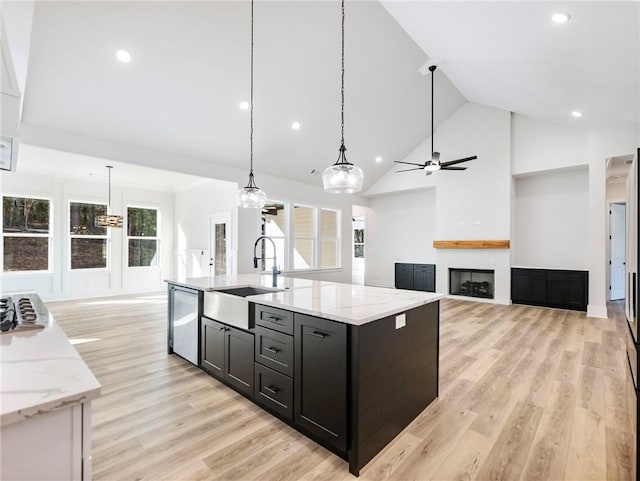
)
(342, 177)
(109, 220)
(434, 164)
(251, 196)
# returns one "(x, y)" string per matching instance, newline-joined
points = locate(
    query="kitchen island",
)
(46, 391)
(349, 366)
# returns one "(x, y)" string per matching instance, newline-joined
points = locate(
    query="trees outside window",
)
(142, 236)
(89, 244)
(26, 232)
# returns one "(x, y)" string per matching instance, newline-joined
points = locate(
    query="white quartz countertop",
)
(40, 371)
(346, 303)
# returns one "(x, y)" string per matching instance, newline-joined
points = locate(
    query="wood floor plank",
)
(544, 385)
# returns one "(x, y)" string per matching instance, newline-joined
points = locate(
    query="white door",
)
(617, 242)
(220, 245)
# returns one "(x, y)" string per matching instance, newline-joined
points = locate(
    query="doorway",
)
(617, 236)
(220, 247)
(358, 252)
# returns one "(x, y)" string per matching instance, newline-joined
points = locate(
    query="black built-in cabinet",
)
(562, 289)
(418, 277)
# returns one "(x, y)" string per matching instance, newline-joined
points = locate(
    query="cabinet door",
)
(404, 276)
(213, 336)
(420, 277)
(321, 379)
(239, 361)
(575, 290)
(538, 287)
(529, 286)
(431, 278)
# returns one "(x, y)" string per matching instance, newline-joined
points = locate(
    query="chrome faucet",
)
(274, 269)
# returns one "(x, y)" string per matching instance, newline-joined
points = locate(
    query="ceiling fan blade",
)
(458, 161)
(453, 168)
(407, 170)
(409, 163)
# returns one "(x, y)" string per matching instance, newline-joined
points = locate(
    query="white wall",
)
(399, 228)
(62, 282)
(539, 146)
(551, 220)
(194, 207)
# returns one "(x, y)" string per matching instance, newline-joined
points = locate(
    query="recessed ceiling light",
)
(378, 159)
(560, 17)
(576, 114)
(244, 105)
(295, 126)
(123, 56)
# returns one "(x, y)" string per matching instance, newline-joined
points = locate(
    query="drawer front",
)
(274, 318)
(274, 391)
(274, 350)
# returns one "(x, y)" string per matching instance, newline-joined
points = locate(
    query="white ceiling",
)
(511, 56)
(190, 70)
(618, 168)
(85, 168)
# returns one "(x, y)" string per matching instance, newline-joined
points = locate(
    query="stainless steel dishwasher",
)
(184, 310)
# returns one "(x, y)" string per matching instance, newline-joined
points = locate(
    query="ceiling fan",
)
(434, 163)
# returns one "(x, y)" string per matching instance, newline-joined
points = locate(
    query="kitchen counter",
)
(46, 391)
(41, 371)
(346, 303)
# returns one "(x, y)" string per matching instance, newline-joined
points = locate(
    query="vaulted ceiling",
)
(190, 70)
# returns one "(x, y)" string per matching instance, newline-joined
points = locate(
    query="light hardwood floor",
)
(525, 394)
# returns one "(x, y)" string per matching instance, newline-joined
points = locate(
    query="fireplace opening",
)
(472, 282)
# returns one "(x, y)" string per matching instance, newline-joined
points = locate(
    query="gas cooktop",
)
(21, 312)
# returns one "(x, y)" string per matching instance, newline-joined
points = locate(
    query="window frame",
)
(49, 236)
(284, 263)
(70, 236)
(336, 239)
(287, 264)
(127, 237)
(294, 237)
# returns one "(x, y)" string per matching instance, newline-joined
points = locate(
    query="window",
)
(306, 237)
(26, 232)
(303, 237)
(89, 244)
(142, 236)
(274, 222)
(328, 238)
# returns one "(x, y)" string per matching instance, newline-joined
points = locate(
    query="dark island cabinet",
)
(320, 401)
(227, 353)
(562, 289)
(418, 277)
(212, 338)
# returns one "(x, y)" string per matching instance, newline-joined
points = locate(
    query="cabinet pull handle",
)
(222, 328)
(321, 335)
(274, 318)
(271, 389)
(274, 350)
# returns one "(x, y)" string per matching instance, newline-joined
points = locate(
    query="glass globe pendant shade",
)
(342, 179)
(251, 196)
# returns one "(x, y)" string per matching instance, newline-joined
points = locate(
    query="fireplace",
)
(472, 283)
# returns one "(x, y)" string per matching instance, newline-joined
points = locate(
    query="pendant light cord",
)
(342, 80)
(433, 74)
(251, 101)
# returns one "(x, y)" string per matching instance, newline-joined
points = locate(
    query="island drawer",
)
(275, 350)
(274, 391)
(274, 318)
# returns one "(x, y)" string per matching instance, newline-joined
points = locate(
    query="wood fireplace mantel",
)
(471, 244)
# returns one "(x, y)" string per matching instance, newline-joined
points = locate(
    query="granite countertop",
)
(346, 303)
(41, 371)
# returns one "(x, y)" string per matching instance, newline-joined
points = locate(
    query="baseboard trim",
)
(597, 311)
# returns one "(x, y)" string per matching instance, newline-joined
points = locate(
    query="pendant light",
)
(342, 177)
(109, 220)
(251, 196)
